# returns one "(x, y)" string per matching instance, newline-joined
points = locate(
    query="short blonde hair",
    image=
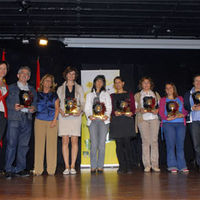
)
(53, 87)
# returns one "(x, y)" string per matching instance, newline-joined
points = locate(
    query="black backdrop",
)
(178, 66)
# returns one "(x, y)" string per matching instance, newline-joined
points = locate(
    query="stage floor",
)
(108, 185)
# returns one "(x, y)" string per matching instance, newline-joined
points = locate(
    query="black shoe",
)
(22, 174)
(2, 172)
(129, 171)
(8, 175)
(121, 171)
(100, 170)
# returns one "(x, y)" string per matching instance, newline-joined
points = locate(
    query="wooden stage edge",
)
(108, 185)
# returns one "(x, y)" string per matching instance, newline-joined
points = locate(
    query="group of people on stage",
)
(122, 113)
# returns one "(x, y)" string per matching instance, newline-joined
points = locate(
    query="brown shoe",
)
(93, 171)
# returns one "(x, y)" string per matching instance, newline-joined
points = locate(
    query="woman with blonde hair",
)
(46, 126)
(70, 124)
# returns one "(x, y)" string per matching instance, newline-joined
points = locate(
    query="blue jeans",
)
(195, 132)
(18, 137)
(175, 136)
(98, 131)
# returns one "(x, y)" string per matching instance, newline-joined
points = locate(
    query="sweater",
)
(162, 109)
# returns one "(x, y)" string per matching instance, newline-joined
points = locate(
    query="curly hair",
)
(146, 78)
(53, 87)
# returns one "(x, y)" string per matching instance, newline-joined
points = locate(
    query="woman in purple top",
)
(173, 115)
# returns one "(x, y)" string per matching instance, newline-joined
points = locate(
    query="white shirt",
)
(25, 88)
(105, 98)
(3, 92)
(148, 115)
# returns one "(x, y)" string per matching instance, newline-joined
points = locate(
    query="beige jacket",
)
(139, 118)
(79, 95)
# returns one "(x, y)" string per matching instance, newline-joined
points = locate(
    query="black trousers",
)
(195, 132)
(3, 122)
(124, 153)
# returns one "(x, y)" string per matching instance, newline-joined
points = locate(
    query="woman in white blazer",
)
(70, 126)
(98, 127)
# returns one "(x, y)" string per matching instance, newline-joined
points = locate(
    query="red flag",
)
(1, 143)
(3, 55)
(38, 75)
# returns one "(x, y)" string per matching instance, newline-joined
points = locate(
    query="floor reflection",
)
(45, 186)
(108, 185)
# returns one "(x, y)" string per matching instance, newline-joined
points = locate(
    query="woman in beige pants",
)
(46, 126)
(148, 123)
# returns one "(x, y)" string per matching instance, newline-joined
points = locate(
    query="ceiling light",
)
(131, 43)
(43, 41)
(25, 40)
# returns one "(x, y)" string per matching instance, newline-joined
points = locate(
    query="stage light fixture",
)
(24, 5)
(43, 41)
(25, 40)
(131, 43)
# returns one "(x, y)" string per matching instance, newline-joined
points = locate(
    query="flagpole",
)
(38, 74)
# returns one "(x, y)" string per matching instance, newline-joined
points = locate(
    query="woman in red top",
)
(3, 95)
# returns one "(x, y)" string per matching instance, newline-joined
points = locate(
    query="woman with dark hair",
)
(70, 124)
(3, 95)
(173, 116)
(148, 123)
(46, 126)
(98, 127)
(122, 124)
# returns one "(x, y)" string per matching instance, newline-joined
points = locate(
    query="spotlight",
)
(25, 40)
(168, 30)
(43, 41)
(24, 5)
